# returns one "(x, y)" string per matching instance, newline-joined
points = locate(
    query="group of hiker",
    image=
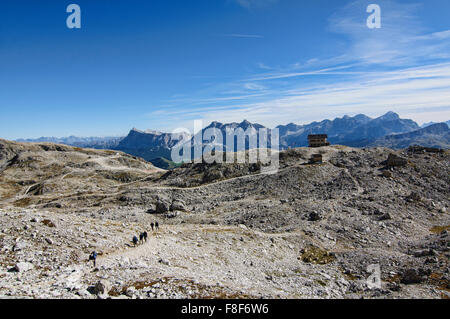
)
(142, 238)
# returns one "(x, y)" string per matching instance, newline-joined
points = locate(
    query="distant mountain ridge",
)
(348, 130)
(358, 131)
(435, 135)
(247, 127)
(84, 142)
(431, 123)
(150, 144)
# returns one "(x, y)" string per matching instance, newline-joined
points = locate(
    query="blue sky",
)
(161, 64)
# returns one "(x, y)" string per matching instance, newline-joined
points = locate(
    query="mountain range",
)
(435, 135)
(358, 131)
(84, 142)
(431, 123)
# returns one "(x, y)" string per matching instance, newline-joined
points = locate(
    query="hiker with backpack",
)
(152, 225)
(93, 257)
(145, 236)
(156, 226)
(141, 238)
(135, 241)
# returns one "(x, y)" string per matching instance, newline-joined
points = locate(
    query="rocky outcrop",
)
(305, 231)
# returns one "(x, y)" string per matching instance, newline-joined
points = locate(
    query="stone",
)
(102, 287)
(178, 205)
(162, 207)
(131, 292)
(164, 262)
(20, 245)
(425, 253)
(172, 214)
(49, 223)
(385, 216)
(83, 293)
(411, 276)
(387, 174)
(396, 161)
(23, 266)
(314, 216)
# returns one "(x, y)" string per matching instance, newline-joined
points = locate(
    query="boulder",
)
(23, 266)
(385, 216)
(387, 174)
(164, 262)
(396, 161)
(178, 205)
(414, 197)
(100, 288)
(49, 223)
(314, 216)
(212, 176)
(20, 245)
(162, 206)
(411, 276)
(425, 253)
(172, 214)
(131, 292)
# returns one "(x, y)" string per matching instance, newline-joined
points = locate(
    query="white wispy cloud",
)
(403, 67)
(284, 75)
(401, 40)
(264, 66)
(414, 92)
(254, 87)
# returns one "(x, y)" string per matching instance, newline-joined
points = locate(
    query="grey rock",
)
(162, 207)
(131, 292)
(314, 216)
(385, 216)
(411, 276)
(178, 205)
(102, 287)
(164, 262)
(172, 214)
(23, 266)
(396, 161)
(20, 245)
(424, 253)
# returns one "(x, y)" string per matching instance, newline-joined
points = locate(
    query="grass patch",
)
(439, 281)
(115, 291)
(397, 278)
(48, 222)
(315, 255)
(320, 282)
(23, 202)
(439, 229)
